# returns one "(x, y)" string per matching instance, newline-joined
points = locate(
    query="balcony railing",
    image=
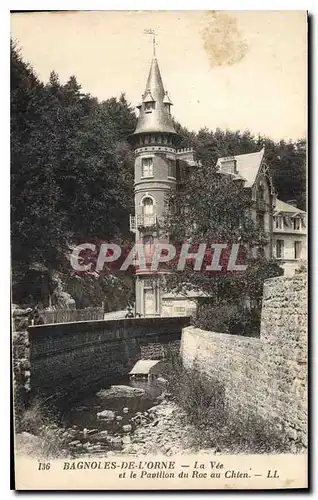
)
(142, 220)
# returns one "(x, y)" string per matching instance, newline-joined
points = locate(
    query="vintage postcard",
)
(159, 250)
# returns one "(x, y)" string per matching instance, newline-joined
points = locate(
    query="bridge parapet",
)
(69, 359)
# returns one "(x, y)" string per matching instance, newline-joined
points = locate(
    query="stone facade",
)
(156, 350)
(265, 376)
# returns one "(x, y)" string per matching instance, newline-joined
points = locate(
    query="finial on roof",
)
(152, 32)
(154, 113)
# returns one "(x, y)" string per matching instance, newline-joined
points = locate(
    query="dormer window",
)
(228, 165)
(167, 102)
(167, 106)
(149, 106)
(279, 222)
(149, 102)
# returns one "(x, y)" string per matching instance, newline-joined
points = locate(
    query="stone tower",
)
(157, 171)
(154, 142)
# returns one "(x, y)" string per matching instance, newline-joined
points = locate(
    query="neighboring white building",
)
(180, 304)
(289, 236)
(284, 223)
(252, 170)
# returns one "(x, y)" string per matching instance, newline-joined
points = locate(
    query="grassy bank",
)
(39, 425)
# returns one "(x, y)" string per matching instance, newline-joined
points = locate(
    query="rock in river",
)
(126, 439)
(116, 440)
(106, 415)
(75, 443)
(102, 435)
(120, 391)
(127, 428)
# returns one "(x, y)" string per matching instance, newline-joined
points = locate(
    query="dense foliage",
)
(286, 159)
(71, 171)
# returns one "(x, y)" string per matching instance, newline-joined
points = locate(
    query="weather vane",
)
(153, 34)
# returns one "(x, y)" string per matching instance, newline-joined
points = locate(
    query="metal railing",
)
(70, 315)
(142, 220)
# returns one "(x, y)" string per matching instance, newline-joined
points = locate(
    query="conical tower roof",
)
(158, 119)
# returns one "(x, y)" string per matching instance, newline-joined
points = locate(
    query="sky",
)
(232, 69)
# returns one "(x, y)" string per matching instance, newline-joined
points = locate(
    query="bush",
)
(302, 268)
(229, 318)
(40, 420)
(194, 391)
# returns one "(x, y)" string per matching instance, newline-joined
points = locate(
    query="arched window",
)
(148, 211)
(147, 205)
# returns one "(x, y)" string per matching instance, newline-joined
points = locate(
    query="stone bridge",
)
(69, 359)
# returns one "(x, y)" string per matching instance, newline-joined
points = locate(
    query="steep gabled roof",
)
(247, 165)
(287, 208)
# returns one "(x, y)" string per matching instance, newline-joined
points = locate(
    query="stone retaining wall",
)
(68, 359)
(265, 376)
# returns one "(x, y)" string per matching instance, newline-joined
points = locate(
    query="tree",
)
(211, 209)
(286, 160)
(37, 223)
(71, 171)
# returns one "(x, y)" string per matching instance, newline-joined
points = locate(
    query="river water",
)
(89, 433)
